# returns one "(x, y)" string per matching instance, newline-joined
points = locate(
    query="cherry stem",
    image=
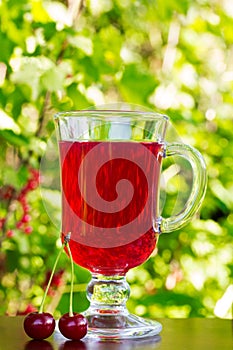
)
(72, 280)
(66, 240)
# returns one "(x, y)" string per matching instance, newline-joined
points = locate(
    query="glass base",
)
(120, 326)
(108, 317)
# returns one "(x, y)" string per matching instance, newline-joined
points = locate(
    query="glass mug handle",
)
(197, 191)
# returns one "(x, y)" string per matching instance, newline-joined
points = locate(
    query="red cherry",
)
(73, 327)
(39, 325)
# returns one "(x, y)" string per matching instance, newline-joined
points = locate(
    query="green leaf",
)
(136, 84)
(80, 302)
(106, 55)
(52, 79)
(48, 29)
(17, 97)
(172, 299)
(12, 260)
(81, 42)
(29, 70)
(14, 139)
(7, 47)
(6, 122)
(166, 9)
(78, 99)
(15, 178)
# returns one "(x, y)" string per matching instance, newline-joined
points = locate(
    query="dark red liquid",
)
(112, 237)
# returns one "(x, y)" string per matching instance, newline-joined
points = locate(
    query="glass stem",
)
(108, 293)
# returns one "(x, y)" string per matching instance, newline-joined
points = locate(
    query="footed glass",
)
(110, 175)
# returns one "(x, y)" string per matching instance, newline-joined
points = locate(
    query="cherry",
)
(73, 327)
(39, 325)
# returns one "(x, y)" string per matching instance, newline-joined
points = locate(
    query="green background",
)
(170, 56)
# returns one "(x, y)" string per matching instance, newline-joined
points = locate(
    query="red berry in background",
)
(26, 218)
(28, 230)
(32, 184)
(10, 233)
(26, 208)
(19, 224)
(73, 327)
(2, 222)
(57, 278)
(39, 325)
(38, 345)
(6, 192)
(22, 198)
(29, 309)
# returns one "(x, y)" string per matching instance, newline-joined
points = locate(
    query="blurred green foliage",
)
(171, 56)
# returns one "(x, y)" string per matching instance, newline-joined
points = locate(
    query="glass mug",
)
(110, 177)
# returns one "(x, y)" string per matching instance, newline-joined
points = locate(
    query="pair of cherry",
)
(40, 325)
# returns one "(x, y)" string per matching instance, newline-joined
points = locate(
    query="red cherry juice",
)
(99, 240)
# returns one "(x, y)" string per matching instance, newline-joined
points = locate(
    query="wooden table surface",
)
(177, 334)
